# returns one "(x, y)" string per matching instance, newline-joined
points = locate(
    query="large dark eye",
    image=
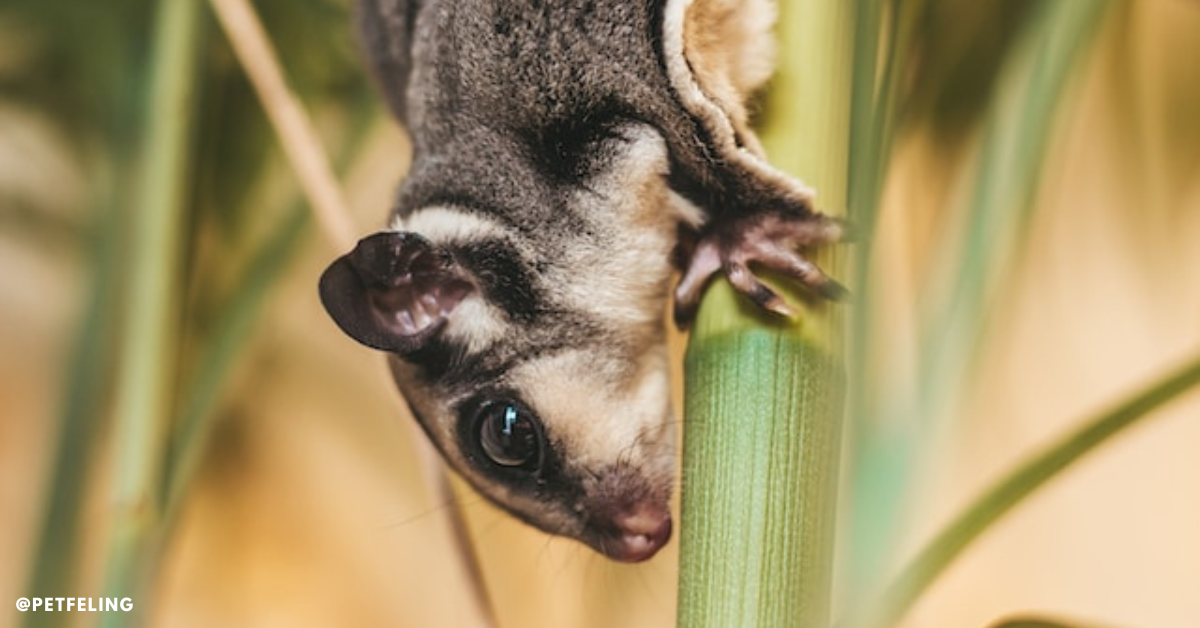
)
(509, 435)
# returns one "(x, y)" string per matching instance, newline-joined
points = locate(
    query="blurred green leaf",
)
(958, 50)
(222, 346)
(931, 561)
(83, 59)
(1017, 135)
(226, 339)
(85, 66)
(146, 367)
(317, 48)
(83, 69)
(87, 398)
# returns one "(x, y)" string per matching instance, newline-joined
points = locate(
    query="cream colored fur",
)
(730, 50)
(708, 74)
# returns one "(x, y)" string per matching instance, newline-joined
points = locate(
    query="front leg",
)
(732, 244)
(759, 217)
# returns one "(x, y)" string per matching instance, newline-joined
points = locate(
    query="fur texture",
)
(559, 145)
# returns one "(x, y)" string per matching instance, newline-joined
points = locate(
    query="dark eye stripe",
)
(544, 479)
(507, 281)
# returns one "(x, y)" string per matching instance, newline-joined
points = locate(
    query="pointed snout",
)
(638, 533)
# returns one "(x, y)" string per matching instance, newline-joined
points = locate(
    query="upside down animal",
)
(563, 152)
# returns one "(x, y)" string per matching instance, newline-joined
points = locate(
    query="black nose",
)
(639, 533)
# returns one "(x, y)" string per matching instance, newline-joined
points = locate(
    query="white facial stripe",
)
(621, 276)
(441, 224)
(474, 322)
(604, 411)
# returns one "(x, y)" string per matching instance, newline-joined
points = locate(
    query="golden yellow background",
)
(308, 511)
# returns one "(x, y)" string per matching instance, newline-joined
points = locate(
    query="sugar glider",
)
(560, 149)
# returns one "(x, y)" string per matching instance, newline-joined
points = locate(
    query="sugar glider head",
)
(552, 413)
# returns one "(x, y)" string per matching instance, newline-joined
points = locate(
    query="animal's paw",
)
(766, 240)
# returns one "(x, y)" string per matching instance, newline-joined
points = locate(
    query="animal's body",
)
(559, 147)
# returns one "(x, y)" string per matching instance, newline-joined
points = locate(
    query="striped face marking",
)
(520, 292)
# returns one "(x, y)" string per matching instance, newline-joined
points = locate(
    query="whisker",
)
(465, 501)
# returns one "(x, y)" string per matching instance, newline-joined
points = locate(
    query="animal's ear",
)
(394, 291)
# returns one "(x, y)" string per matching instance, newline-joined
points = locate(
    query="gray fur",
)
(554, 144)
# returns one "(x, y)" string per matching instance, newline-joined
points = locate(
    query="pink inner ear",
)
(394, 291)
(417, 302)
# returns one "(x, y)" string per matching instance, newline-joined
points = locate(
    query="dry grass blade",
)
(309, 159)
(294, 128)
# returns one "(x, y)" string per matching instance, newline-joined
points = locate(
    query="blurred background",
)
(305, 506)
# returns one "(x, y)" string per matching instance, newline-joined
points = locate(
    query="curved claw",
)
(768, 240)
(805, 272)
(745, 281)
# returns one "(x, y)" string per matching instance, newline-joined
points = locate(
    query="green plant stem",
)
(145, 372)
(1015, 487)
(759, 480)
(763, 407)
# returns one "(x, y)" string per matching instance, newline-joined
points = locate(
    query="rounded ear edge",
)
(357, 298)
